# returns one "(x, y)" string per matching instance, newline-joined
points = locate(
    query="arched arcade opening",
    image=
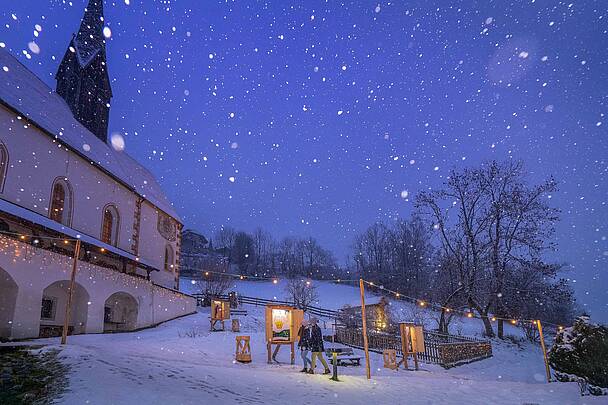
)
(120, 312)
(8, 299)
(52, 311)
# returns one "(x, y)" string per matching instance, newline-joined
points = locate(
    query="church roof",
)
(24, 92)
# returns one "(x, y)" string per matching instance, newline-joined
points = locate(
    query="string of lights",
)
(468, 314)
(25, 236)
(275, 280)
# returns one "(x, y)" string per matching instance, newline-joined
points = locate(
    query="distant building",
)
(376, 315)
(198, 257)
(60, 181)
(193, 242)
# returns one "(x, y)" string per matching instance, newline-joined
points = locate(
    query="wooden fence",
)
(243, 299)
(445, 350)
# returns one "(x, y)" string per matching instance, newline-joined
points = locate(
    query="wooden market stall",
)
(282, 325)
(220, 311)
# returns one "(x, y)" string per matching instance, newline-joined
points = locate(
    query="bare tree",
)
(225, 239)
(263, 245)
(461, 221)
(520, 228)
(215, 283)
(493, 229)
(302, 292)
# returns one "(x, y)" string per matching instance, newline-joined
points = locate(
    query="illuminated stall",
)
(220, 311)
(282, 325)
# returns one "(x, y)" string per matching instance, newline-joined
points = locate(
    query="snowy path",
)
(157, 366)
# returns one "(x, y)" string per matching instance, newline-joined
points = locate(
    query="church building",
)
(64, 186)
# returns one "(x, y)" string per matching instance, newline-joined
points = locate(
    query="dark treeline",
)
(260, 254)
(477, 244)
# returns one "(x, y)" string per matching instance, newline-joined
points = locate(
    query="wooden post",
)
(542, 345)
(404, 344)
(365, 344)
(68, 307)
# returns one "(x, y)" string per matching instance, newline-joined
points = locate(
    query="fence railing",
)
(439, 348)
(243, 299)
(445, 350)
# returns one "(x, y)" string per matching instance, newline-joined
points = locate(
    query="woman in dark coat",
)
(316, 346)
(304, 345)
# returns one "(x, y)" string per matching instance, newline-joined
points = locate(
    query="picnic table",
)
(341, 354)
(345, 356)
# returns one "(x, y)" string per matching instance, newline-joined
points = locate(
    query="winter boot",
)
(310, 371)
(326, 371)
(304, 370)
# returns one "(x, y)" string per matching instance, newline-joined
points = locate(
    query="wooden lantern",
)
(282, 325)
(412, 342)
(243, 349)
(220, 311)
(236, 326)
(390, 359)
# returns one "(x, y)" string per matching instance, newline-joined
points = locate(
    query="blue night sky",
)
(314, 117)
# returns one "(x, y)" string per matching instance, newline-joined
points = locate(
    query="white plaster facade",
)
(26, 272)
(135, 285)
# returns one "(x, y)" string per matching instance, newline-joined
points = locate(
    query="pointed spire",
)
(89, 40)
(82, 78)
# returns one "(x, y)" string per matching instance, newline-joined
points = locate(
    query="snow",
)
(162, 365)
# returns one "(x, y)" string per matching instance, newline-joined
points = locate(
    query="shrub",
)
(580, 353)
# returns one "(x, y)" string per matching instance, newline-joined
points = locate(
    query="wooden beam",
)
(365, 344)
(404, 344)
(68, 307)
(542, 345)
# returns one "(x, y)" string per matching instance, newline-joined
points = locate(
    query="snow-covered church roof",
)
(22, 91)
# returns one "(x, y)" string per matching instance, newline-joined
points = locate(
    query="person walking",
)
(316, 346)
(303, 345)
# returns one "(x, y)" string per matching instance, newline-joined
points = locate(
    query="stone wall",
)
(32, 271)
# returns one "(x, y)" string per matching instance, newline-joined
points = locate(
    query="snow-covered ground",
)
(181, 362)
(165, 365)
(336, 295)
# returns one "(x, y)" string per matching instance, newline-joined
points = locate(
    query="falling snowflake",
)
(117, 142)
(33, 47)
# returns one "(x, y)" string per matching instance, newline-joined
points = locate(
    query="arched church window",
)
(169, 259)
(110, 225)
(61, 202)
(3, 165)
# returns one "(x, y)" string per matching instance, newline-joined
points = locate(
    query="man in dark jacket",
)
(303, 344)
(316, 346)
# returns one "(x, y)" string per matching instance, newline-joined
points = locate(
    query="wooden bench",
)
(347, 357)
(238, 312)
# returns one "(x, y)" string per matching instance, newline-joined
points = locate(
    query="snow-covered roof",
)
(24, 92)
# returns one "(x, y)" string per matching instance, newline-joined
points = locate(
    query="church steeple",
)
(82, 77)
